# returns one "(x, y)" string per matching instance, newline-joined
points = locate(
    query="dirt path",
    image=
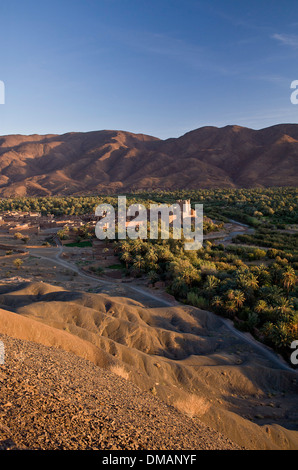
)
(264, 351)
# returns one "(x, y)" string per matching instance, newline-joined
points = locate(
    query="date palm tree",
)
(289, 279)
(125, 246)
(217, 302)
(210, 284)
(285, 309)
(151, 257)
(248, 281)
(126, 257)
(261, 306)
(239, 298)
(230, 307)
(138, 263)
(138, 245)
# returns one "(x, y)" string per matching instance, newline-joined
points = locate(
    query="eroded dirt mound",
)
(184, 355)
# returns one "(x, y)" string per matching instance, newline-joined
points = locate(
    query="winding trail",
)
(263, 350)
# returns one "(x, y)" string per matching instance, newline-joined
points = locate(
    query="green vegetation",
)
(270, 238)
(262, 299)
(18, 236)
(115, 266)
(251, 206)
(80, 244)
(83, 235)
(18, 263)
(59, 206)
(252, 281)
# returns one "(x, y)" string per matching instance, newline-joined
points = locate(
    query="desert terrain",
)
(87, 408)
(184, 358)
(115, 161)
(187, 358)
(72, 310)
(148, 229)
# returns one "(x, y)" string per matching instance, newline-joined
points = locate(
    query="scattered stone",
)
(56, 400)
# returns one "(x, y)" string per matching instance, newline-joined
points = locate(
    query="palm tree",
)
(261, 306)
(239, 298)
(164, 254)
(190, 275)
(285, 309)
(153, 276)
(138, 263)
(210, 284)
(250, 281)
(275, 271)
(280, 335)
(272, 294)
(289, 279)
(230, 306)
(230, 294)
(252, 320)
(151, 257)
(295, 324)
(126, 257)
(217, 302)
(137, 245)
(125, 246)
(263, 274)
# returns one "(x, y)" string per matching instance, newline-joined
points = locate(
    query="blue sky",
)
(159, 67)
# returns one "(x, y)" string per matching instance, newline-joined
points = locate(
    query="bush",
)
(196, 301)
(18, 236)
(18, 263)
(192, 405)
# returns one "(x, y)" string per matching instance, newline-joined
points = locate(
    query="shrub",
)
(192, 405)
(18, 236)
(18, 263)
(196, 301)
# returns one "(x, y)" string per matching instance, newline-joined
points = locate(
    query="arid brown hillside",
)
(114, 161)
(53, 400)
(182, 356)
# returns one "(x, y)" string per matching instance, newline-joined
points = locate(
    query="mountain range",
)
(110, 161)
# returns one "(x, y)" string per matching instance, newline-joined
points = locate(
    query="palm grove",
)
(252, 280)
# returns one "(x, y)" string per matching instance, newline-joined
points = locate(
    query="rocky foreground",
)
(51, 399)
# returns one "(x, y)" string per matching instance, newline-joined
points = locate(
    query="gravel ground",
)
(51, 400)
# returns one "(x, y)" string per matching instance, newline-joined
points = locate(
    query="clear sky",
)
(159, 67)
